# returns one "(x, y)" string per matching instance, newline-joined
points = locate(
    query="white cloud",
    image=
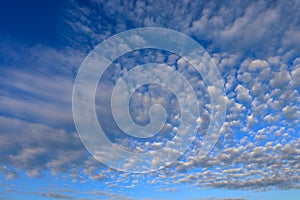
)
(253, 43)
(296, 77)
(280, 79)
(36, 147)
(258, 65)
(243, 94)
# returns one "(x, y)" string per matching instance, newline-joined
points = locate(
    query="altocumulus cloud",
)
(254, 44)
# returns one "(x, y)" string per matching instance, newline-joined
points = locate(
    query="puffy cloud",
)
(253, 43)
(291, 112)
(35, 147)
(243, 94)
(258, 65)
(280, 79)
(296, 77)
(250, 159)
(236, 26)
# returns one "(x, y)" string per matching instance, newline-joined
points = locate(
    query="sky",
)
(255, 46)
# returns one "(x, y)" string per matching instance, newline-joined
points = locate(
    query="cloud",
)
(249, 175)
(35, 147)
(10, 174)
(36, 83)
(280, 79)
(296, 77)
(55, 196)
(243, 94)
(255, 45)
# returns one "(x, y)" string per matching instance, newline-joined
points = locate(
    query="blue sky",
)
(255, 45)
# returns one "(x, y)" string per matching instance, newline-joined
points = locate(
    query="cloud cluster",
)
(254, 44)
(257, 28)
(36, 147)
